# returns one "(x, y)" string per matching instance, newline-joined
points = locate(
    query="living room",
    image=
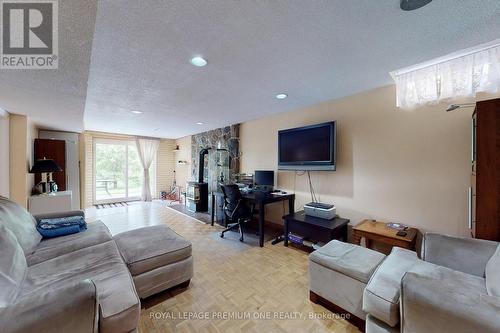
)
(251, 166)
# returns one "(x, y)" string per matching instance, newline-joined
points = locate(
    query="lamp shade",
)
(45, 165)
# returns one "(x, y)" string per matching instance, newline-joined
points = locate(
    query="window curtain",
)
(146, 149)
(461, 77)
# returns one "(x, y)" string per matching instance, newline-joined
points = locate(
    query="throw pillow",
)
(493, 274)
(21, 223)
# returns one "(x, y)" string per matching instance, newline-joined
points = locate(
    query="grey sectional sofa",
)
(83, 282)
(454, 287)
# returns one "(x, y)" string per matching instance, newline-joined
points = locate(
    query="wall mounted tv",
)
(307, 148)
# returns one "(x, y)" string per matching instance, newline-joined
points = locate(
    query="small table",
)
(314, 228)
(105, 183)
(379, 231)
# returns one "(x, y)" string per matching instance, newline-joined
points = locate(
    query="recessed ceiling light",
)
(136, 111)
(199, 62)
(281, 96)
(199, 123)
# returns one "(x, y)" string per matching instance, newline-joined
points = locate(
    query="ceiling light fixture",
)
(136, 111)
(408, 5)
(199, 62)
(199, 123)
(281, 96)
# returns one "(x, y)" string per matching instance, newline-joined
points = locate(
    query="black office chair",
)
(235, 209)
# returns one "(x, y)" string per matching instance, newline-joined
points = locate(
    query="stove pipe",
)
(201, 164)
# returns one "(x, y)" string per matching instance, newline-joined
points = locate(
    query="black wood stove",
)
(197, 192)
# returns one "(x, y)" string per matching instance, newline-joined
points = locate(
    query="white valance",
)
(457, 77)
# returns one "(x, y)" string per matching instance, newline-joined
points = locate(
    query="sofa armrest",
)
(72, 308)
(40, 217)
(467, 255)
(431, 305)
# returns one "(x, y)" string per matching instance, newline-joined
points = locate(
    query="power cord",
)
(311, 188)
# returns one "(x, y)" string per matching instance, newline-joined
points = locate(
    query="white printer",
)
(320, 210)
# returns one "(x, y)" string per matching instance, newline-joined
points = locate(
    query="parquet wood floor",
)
(249, 285)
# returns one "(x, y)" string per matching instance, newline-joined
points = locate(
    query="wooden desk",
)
(378, 231)
(260, 199)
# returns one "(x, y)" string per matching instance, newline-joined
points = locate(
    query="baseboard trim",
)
(356, 321)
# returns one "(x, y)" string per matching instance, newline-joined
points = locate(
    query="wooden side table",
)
(378, 231)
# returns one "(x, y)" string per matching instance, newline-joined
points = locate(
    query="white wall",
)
(183, 171)
(4, 153)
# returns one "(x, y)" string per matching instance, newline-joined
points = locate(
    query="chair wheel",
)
(241, 239)
(221, 235)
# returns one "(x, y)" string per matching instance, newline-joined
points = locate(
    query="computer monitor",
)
(264, 178)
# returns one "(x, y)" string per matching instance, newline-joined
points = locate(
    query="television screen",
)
(307, 148)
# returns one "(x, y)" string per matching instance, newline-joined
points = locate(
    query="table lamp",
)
(46, 166)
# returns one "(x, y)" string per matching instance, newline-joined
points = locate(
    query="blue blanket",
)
(50, 228)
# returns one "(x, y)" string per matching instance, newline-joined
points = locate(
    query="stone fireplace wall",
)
(220, 138)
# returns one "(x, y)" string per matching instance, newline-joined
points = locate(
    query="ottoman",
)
(157, 258)
(338, 274)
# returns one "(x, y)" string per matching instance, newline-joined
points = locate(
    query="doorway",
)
(118, 173)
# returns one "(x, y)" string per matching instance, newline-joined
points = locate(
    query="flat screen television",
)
(307, 148)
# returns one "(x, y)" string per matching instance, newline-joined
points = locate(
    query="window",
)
(118, 173)
(459, 75)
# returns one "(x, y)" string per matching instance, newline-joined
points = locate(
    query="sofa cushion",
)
(438, 299)
(119, 306)
(451, 280)
(145, 249)
(96, 233)
(467, 255)
(12, 266)
(493, 274)
(21, 223)
(381, 295)
(349, 259)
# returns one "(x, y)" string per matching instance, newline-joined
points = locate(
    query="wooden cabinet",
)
(56, 150)
(484, 193)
